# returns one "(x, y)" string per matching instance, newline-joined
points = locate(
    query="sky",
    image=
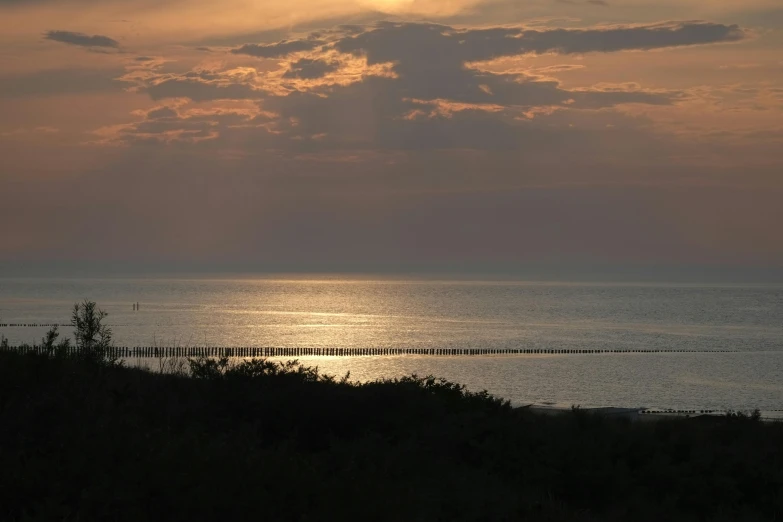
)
(369, 134)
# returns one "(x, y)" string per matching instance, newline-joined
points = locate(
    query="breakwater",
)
(268, 351)
(32, 325)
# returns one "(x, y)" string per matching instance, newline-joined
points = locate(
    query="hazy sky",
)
(369, 132)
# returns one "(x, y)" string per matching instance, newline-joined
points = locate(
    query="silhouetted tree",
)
(48, 342)
(93, 338)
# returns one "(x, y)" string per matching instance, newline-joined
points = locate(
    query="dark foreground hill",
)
(85, 440)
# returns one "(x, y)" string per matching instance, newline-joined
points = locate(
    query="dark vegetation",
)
(84, 438)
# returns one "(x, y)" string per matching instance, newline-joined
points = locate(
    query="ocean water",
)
(331, 311)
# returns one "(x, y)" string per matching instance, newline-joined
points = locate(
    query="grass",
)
(83, 439)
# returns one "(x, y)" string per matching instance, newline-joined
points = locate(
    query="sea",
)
(699, 346)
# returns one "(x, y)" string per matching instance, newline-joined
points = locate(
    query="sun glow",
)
(409, 6)
(388, 5)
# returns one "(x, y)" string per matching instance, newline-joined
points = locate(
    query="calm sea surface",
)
(355, 312)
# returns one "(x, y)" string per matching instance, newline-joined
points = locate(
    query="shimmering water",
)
(356, 312)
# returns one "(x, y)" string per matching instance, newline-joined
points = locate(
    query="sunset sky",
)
(343, 134)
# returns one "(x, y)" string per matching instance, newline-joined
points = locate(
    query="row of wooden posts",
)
(267, 351)
(31, 325)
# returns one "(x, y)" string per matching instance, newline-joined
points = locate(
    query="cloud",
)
(279, 49)
(161, 113)
(671, 34)
(439, 62)
(423, 86)
(178, 123)
(308, 69)
(444, 46)
(558, 68)
(245, 82)
(201, 84)
(81, 39)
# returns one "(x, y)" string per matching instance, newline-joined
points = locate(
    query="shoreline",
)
(647, 414)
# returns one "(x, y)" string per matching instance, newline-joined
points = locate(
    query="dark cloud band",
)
(278, 49)
(81, 39)
(441, 44)
(308, 69)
